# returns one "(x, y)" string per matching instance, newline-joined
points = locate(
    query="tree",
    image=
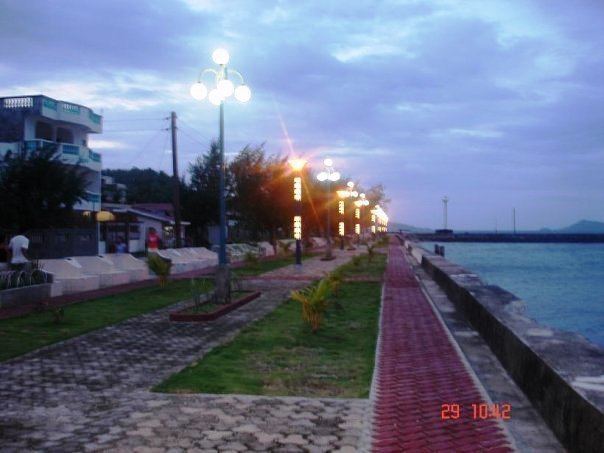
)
(261, 192)
(200, 198)
(37, 190)
(144, 185)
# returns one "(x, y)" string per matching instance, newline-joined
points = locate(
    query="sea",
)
(562, 285)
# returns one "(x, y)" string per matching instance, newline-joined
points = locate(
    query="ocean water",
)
(562, 285)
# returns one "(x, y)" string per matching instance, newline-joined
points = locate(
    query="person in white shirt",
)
(17, 252)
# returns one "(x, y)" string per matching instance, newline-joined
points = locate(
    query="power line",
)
(129, 130)
(134, 119)
(144, 147)
(193, 129)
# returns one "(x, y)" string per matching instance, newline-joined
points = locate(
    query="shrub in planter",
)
(159, 267)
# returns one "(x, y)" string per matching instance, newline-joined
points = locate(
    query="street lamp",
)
(223, 89)
(297, 165)
(362, 201)
(343, 195)
(329, 175)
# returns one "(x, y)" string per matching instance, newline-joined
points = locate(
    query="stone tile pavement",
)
(91, 393)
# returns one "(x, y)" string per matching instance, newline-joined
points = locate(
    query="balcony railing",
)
(92, 197)
(60, 110)
(82, 154)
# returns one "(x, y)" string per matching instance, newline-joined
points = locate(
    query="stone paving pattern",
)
(419, 369)
(91, 393)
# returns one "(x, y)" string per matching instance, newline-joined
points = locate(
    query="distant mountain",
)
(395, 227)
(584, 226)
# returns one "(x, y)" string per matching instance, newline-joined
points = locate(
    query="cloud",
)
(107, 144)
(497, 104)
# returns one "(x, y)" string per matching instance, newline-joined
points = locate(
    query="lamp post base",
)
(223, 284)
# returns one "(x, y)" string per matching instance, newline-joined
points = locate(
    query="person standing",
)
(153, 241)
(17, 252)
(120, 245)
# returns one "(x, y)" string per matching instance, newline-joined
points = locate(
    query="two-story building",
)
(32, 122)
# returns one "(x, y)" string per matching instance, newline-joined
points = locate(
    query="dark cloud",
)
(498, 105)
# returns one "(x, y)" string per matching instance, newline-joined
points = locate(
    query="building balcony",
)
(90, 202)
(55, 110)
(70, 154)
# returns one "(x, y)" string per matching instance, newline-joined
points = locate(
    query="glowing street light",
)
(343, 195)
(329, 175)
(297, 165)
(222, 89)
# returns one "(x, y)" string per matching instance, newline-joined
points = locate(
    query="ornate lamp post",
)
(343, 195)
(358, 213)
(222, 90)
(297, 165)
(329, 175)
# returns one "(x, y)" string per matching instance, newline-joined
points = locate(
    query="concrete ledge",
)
(561, 372)
(25, 295)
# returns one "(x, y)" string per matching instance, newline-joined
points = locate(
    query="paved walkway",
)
(418, 370)
(92, 392)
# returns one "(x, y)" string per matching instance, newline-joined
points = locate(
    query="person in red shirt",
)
(153, 241)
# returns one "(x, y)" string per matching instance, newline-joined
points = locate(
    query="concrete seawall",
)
(561, 373)
(509, 237)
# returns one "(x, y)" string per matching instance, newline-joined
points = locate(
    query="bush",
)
(251, 259)
(198, 289)
(356, 260)
(159, 267)
(314, 301)
(370, 252)
(335, 279)
(285, 247)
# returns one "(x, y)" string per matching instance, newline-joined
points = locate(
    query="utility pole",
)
(514, 219)
(445, 201)
(175, 182)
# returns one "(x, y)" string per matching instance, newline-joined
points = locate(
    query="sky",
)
(496, 104)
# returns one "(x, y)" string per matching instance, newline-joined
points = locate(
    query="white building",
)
(31, 122)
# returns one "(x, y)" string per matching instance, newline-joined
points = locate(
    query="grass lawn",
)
(269, 265)
(32, 331)
(26, 333)
(278, 355)
(366, 268)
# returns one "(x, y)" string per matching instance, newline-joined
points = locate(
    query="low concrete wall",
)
(25, 295)
(560, 372)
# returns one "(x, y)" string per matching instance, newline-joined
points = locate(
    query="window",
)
(43, 131)
(64, 135)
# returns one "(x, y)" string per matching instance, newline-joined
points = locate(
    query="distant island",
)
(580, 227)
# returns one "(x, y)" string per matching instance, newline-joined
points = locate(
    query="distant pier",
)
(509, 237)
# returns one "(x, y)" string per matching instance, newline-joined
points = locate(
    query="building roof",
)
(163, 215)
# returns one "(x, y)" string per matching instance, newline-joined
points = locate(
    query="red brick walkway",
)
(419, 370)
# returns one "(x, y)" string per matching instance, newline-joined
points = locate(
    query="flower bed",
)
(187, 314)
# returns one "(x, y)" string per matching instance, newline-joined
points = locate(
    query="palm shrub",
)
(285, 247)
(159, 267)
(335, 279)
(251, 259)
(199, 288)
(370, 252)
(314, 300)
(356, 260)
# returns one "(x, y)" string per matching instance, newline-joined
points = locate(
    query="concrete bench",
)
(95, 265)
(206, 254)
(68, 277)
(137, 269)
(266, 248)
(318, 242)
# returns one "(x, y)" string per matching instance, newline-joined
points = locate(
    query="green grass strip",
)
(278, 355)
(27, 333)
